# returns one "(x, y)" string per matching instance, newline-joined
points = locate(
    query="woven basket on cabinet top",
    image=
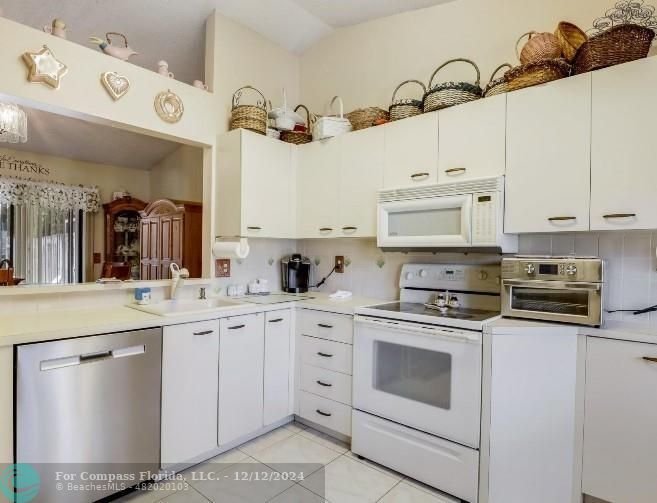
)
(570, 38)
(299, 137)
(539, 47)
(252, 117)
(332, 125)
(497, 85)
(366, 117)
(619, 44)
(404, 108)
(449, 94)
(534, 74)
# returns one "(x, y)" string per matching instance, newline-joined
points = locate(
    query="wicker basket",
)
(449, 94)
(539, 47)
(620, 44)
(366, 117)
(405, 107)
(497, 85)
(251, 117)
(332, 125)
(534, 74)
(299, 137)
(570, 39)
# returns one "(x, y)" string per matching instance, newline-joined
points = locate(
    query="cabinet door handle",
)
(619, 215)
(204, 332)
(236, 327)
(326, 229)
(561, 219)
(254, 228)
(350, 228)
(277, 320)
(325, 355)
(325, 414)
(650, 359)
(455, 170)
(322, 325)
(326, 385)
(415, 176)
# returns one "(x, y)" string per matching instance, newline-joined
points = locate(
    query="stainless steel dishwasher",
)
(86, 406)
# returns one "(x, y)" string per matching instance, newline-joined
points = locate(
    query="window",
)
(44, 244)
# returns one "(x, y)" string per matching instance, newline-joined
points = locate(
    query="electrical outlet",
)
(222, 268)
(339, 263)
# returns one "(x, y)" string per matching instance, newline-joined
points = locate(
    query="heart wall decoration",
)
(116, 85)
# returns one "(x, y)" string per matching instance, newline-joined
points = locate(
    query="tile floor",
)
(344, 479)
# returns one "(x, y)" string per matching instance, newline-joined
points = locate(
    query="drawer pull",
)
(236, 327)
(205, 332)
(323, 325)
(650, 359)
(561, 219)
(455, 170)
(326, 385)
(277, 320)
(325, 355)
(325, 414)
(350, 228)
(326, 229)
(620, 215)
(254, 228)
(415, 176)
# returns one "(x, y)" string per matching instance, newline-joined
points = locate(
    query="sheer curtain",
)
(5, 230)
(47, 244)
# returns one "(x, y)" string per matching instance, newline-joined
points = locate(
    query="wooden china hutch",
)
(170, 231)
(122, 241)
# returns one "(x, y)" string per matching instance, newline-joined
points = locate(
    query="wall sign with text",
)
(10, 165)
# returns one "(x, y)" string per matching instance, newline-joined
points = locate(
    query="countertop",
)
(611, 330)
(64, 324)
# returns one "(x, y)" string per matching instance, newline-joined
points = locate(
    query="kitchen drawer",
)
(439, 463)
(331, 326)
(326, 354)
(332, 415)
(326, 383)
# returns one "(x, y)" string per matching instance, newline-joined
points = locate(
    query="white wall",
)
(178, 176)
(364, 63)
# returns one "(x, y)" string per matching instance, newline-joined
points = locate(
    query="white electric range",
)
(417, 375)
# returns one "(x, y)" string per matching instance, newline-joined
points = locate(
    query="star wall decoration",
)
(44, 67)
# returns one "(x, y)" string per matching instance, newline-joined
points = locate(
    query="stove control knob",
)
(423, 273)
(530, 269)
(483, 275)
(571, 269)
(409, 276)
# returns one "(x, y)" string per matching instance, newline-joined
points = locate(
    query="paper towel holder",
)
(238, 241)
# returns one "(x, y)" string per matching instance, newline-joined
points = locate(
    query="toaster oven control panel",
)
(553, 268)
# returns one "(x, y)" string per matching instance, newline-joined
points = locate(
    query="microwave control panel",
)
(484, 218)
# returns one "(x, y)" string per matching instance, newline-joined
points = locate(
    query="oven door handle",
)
(454, 335)
(554, 285)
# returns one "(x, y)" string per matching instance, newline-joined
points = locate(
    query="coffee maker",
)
(295, 271)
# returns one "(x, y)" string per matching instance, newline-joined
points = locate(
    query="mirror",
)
(81, 201)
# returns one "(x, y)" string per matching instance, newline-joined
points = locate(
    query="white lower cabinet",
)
(333, 415)
(620, 426)
(190, 365)
(241, 376)
(277, 366)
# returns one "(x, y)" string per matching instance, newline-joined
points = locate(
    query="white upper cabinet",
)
(318, 188)
(549, 157)
(623, 153)
(620, 438)
(256, 186)
(411, 151)
(360, 178)
(472, 140)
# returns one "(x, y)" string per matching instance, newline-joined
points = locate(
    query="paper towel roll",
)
(231, 249)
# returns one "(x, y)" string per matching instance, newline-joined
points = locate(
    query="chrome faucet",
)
(201, 294)
(178, 277)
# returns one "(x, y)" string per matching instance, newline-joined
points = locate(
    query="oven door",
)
(422, 376)
(431, 222)
(579, 302)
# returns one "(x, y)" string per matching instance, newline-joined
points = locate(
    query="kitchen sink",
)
(175, 307)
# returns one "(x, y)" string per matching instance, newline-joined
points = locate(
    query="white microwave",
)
(462, 216)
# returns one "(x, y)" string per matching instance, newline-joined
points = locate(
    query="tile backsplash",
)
(630, 261)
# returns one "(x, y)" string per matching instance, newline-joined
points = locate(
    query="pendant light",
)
(13, 123)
